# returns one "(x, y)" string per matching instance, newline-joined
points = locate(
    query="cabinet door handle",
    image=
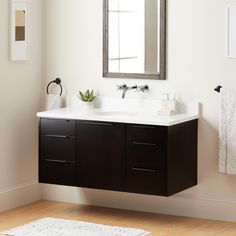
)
(97, 123)
(144, 170)
(56, 161)
(143, 127)
(58, 136)
(144, 144)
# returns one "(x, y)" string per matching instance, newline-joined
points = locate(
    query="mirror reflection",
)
(133, 36)
(20, 25)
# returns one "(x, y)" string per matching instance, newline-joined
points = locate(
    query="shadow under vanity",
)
(120, 156)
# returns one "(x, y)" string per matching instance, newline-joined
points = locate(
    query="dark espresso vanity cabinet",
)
(157, 160)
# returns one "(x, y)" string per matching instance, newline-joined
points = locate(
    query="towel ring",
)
(56, 81)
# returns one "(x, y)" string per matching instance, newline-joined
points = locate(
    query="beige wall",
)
(20, 95)
(196, 64)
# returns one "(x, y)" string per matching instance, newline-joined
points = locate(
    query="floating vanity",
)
(115, 148)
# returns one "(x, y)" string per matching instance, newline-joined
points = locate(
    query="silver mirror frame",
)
(159, 76)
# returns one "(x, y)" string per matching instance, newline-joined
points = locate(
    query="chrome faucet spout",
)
(124, 92)
(124, 88)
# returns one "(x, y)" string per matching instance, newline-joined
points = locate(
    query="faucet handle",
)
(121, 87)
(144, 88)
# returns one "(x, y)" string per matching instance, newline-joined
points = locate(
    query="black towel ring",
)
(56, 81)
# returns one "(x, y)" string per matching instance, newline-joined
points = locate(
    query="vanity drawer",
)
(145, 134)
(57, 127)
(144, 155)
(58, 147)
(57, 172)
(146, 181)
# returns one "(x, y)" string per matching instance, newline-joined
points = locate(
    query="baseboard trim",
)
(182, 204)
(18, 195)
(205, 198)
(17, 187)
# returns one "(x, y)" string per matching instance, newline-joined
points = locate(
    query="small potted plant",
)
(87, 99)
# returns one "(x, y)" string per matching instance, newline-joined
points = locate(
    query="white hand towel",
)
(227, 132)
(53, 102)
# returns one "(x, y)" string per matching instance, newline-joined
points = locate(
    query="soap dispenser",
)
(168, 106)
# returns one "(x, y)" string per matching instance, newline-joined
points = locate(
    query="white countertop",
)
(145, 118)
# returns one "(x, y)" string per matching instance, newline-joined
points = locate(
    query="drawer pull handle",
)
(145, 144)
(144, 170)
(56, 161)
(58, 136)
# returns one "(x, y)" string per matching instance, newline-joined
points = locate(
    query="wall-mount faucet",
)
(125, 88)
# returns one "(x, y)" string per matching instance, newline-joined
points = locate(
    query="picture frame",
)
(19, 33)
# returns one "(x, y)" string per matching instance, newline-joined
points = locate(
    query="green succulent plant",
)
(87, 96)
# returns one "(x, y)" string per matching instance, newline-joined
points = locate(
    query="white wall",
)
(196, 64)
(20, 95)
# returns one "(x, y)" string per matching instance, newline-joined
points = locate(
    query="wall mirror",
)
(134, 39)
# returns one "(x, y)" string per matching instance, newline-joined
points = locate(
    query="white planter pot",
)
(87, 107)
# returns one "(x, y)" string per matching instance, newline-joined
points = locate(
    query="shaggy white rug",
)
(60, 227)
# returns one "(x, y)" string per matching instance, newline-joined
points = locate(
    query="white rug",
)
(59, 227)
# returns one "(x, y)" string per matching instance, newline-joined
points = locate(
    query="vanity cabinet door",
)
(101, 155)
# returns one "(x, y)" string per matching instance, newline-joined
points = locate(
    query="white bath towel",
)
(227, 132)
(53, 102)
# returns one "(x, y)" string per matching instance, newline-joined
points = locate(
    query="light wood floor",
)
(159, 225)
